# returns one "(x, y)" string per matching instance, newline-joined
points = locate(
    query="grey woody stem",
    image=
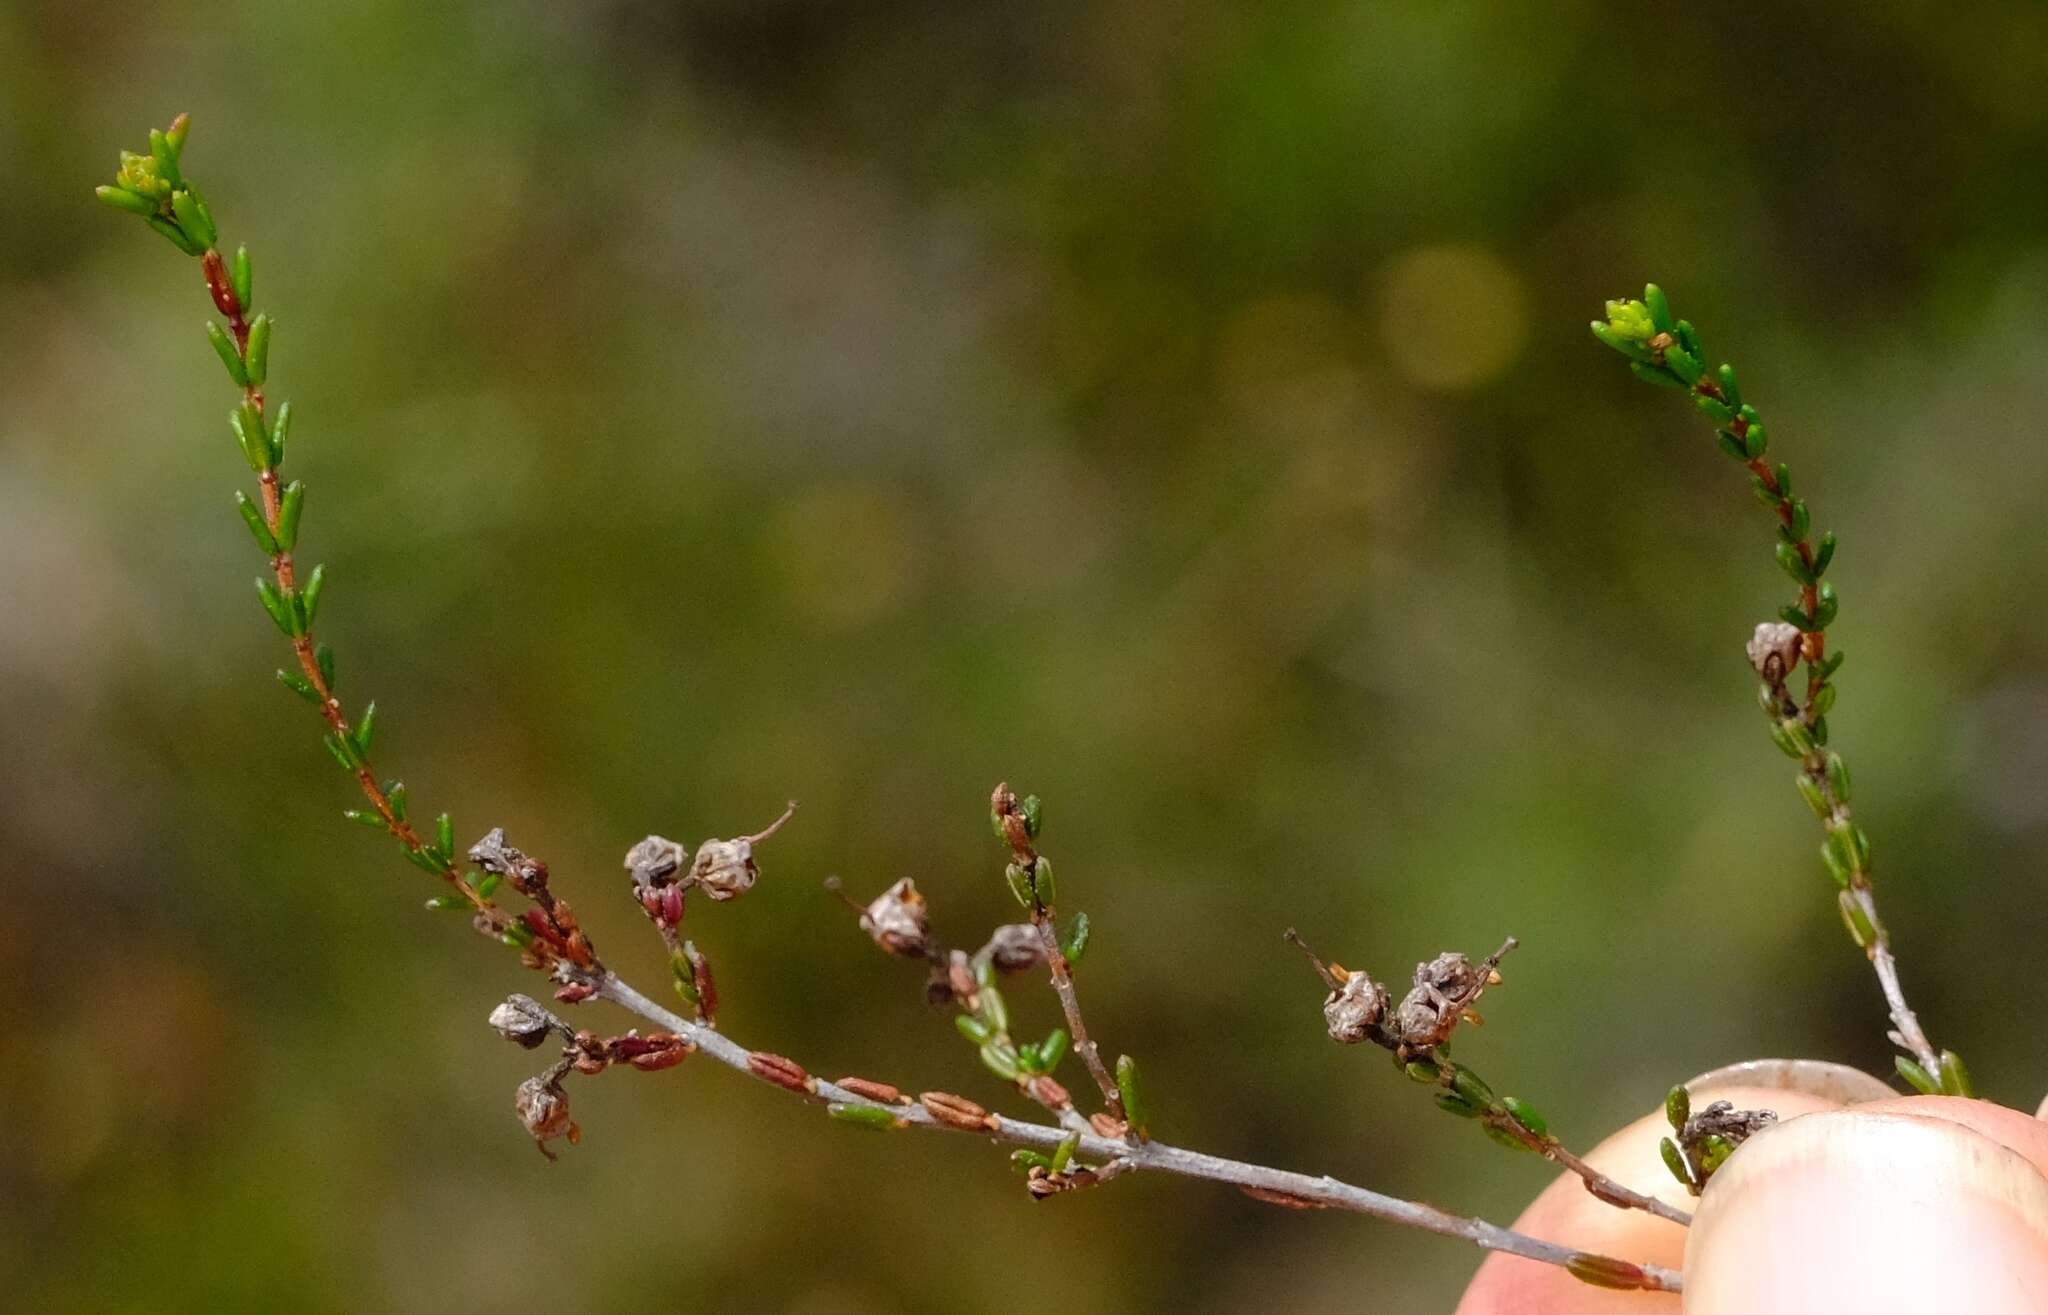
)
(1070, 1004)
(1294, 1188)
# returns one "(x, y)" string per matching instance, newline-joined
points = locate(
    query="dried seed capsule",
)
(1774, 649)
(898, 920)
(1606, 1272)
(1352, 1010)
(544, 1112)
(655, 861)
(521, 1019)
(1014, 948)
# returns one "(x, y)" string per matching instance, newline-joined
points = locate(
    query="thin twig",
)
(1158, 1156)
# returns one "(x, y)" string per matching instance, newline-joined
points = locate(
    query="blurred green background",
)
(1183, 411)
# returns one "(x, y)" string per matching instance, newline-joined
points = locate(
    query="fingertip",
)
(1873, 1210)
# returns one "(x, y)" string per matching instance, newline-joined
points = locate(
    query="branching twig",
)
(1155, 1156)
(1666, 351)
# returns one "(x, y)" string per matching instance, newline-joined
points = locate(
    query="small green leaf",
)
(1674, 1160)
(993, 1009)
(1810, 791)
(517, 934)
(1823, 700)
(1063, 1154)
(1034, 814)
(1504, 1137)
(366, 728)
(258, 357)
(254, 443)
(365, 817)
(1955, 1077)
(1836, 871)
(1683, 364)
(427, 861)
(1053, 1049)
(1793, 564)
(1131, 1090)
(275, 605)
(1916, 1077)
(1423, 1070)
(1000, 1060)
(1654, 374)
(122, 199)
(1660, 308)
(165, 156)
(1755, 442)
(1525, 1114)
(314, 583)
(972, 1028)
(1677, 1106)
(241, 278)
(489, 887)
(1689, 339)
(1794, 614)
(1020, 882)
(1838, 777)
(1452, 1103)
(1824, 553)
(1041, 880)
(1629, 347)
(1824, 616)
(1074, 940)
(872, 1117)
(280, 429)
(343, 752)
(1855, 919)
(323, 658)
(174, 235)
(1731, 444)
(193, 218)
(288, 511)
(1471, 1087)
(449, 900)
(224, 347)
(299, 685)
(444, 833)
(1802, 521)
(253, 518)
(1714, 1152)
(1714, 409)
(1025, 1161)
(1729, 390)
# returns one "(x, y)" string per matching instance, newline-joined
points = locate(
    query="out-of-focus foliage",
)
(1185, 412)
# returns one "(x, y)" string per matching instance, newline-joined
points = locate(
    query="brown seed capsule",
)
(782, 1072)
(1774, 649)
(544, 1111)
(1354, 1009)
(521, 1019)
(725, 868)
(899, 921)
(1014, 948)
(880, 1092)
(1042, 1184)
(957, 1111)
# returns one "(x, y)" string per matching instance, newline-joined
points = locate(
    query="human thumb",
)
(1926, 1204)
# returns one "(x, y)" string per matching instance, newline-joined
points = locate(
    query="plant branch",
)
(1297, 1188)
(1666, 351)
